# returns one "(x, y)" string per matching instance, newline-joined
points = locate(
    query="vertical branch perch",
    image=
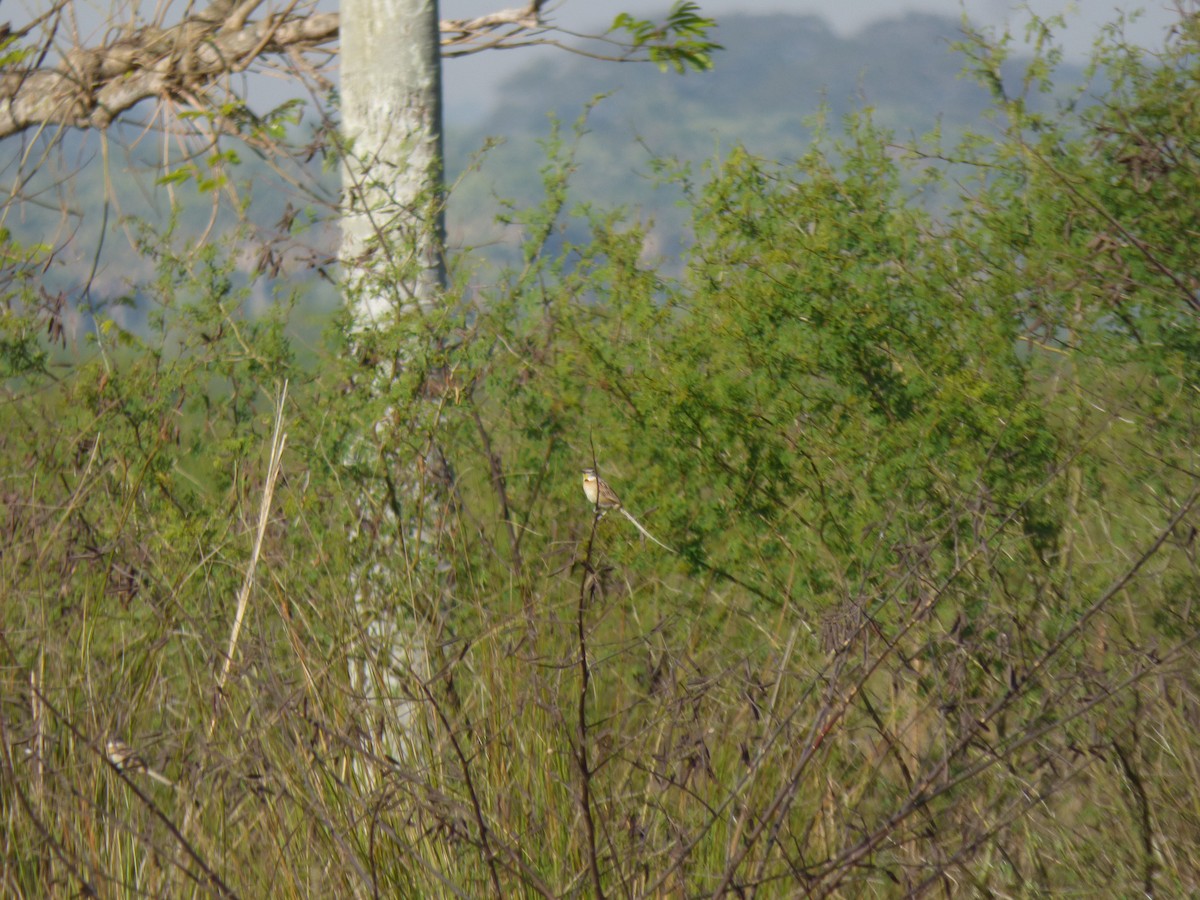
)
(278, 440)
(586, 587)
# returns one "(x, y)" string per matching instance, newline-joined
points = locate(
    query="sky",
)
(472, 83)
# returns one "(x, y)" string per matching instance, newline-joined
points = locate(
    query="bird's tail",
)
(638, 526)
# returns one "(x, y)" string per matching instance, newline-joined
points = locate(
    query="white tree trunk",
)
(393, 263)
(392, 118)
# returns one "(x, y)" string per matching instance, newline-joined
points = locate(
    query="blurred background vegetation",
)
(913, 398)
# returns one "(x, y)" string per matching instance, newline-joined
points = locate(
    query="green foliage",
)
(205, 183)
(10, 53)
(679, 42)
(931, 480)
(29, 318)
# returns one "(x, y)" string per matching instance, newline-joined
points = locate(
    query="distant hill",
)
(775, 73)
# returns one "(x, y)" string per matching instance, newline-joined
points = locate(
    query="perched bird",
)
(604, 498)
(121, 755)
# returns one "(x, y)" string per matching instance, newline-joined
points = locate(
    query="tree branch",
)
(462, 31)
(88, 88)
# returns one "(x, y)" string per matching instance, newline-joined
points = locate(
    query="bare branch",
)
(459, 31)
(88, 88)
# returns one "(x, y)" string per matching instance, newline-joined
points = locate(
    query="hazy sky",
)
(470, 83)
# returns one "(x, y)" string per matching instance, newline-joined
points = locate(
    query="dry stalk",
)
(278, 440)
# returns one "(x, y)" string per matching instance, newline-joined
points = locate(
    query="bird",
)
(604, 498)
(121, 755)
